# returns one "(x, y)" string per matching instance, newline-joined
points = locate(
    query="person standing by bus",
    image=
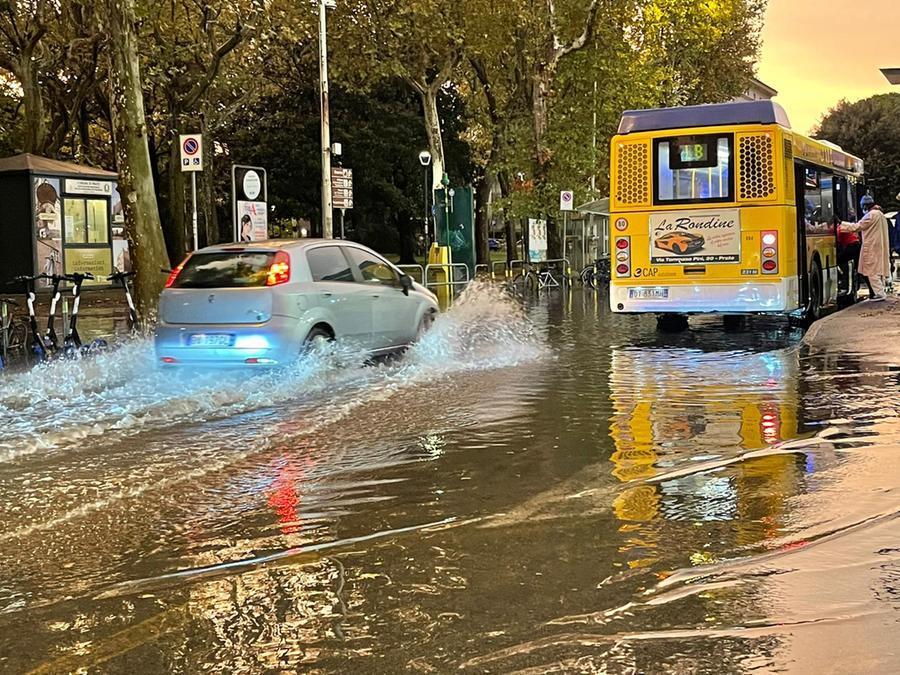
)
(873, 258)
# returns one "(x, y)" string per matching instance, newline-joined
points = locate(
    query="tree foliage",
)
(870, 129)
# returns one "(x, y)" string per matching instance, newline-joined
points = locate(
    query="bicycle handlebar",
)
(8, 301)
(79, 276)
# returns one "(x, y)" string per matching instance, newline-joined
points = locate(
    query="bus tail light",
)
(769, 252)
(623, 257)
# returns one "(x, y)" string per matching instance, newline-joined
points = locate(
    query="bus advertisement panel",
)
(702, 237)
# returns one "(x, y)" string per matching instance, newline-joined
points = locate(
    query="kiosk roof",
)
(44, 165)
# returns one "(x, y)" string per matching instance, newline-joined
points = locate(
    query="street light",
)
(425, 161)
(327, 215)
(892, 75)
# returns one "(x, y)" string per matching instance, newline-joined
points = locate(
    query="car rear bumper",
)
(778, 295)
(276, 342)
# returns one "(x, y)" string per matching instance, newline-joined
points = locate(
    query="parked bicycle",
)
(13, 331)
(535, 278)
(598, 272)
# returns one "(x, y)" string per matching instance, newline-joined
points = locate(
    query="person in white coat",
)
(873, 258)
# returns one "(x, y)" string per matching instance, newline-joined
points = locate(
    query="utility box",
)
(460, 235)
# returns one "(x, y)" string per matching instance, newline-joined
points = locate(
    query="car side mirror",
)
(406, 283)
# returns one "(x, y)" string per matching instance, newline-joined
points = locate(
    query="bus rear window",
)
(693, 169)
(225, 270)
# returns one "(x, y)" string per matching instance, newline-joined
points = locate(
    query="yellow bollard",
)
(440, 255)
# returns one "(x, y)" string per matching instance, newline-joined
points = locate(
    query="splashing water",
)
(123, 391)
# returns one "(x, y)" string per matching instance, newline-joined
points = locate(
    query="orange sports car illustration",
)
(680, 243)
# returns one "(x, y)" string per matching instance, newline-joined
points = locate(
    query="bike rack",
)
(448, 268)
(499, 263)
(482, 269)
(416, 268)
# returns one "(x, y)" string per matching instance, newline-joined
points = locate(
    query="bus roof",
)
(710, 115)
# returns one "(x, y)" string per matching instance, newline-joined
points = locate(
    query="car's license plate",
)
(648, 293)
(211, 340)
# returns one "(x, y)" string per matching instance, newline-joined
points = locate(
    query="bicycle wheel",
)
(532, 282)
(17, 335)
(587, 276)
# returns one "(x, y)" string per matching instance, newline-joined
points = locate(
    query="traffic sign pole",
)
(194, 214)
(192, 160)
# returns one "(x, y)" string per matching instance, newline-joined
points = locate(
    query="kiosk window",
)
(86, 221)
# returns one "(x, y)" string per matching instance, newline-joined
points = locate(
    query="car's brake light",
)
(169, 359)
(280, 270)
(173, 275)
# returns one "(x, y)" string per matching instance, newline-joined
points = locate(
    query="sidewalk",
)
(871, 328)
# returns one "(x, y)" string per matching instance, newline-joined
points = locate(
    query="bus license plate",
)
(648, 293)
(211, 340)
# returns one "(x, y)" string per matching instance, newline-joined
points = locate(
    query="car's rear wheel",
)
(317, 339)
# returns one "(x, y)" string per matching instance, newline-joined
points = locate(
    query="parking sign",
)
(191, 152)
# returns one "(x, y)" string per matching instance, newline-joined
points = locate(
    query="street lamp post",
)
(327, 215)
(425, 161)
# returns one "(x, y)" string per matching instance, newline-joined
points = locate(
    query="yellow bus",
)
(724, 209)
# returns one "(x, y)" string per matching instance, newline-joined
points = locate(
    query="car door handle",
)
(327, 294)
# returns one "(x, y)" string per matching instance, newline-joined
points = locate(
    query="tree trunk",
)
(207, 188)
(433, 130)
(509, 223)
(33, 103)
(482, 218)
(175, 226)
(407, 231)
(142, 227)
(540, 105)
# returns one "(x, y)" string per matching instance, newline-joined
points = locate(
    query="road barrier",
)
(415, 268)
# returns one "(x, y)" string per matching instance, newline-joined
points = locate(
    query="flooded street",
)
(542, 489)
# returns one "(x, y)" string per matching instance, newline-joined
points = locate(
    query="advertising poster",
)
(121, 254)
(701, 237)
(253, 222)
(47, 227)
(537, 240)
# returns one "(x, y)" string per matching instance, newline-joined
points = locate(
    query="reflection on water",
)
(539, 489)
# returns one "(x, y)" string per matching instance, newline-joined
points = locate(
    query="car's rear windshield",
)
(224, 269)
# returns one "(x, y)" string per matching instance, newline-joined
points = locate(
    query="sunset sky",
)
(816, 52)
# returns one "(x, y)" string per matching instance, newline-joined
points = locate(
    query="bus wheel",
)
(814, 304)
(671, 323)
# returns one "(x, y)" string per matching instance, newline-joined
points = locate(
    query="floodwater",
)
(539, 489)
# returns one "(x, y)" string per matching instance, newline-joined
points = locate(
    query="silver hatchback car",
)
(263, 303)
